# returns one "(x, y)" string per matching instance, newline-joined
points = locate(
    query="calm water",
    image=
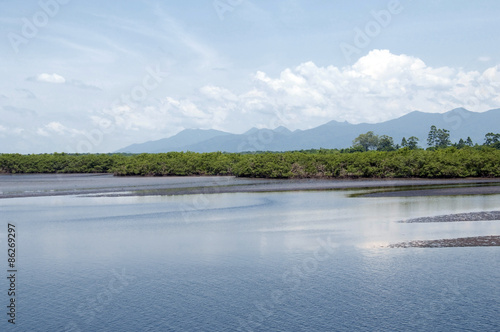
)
(295, 261)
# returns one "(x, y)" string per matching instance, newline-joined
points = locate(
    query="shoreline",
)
(107, 185)
(104, 184)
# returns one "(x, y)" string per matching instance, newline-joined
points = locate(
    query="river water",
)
(267, 261)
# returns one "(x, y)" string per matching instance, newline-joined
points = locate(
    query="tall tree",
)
(491, 139)
(443, 138)
(404, 143)
(438, 137)
(385, 143)
(413, 143)
(469, 141)
(432, 137)
(460, 144)
(368, 141)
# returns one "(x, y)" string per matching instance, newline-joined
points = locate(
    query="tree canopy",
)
(368, 141)
(360, 160)
(438, 138)
(411, 143)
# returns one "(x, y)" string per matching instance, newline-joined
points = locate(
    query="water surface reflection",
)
(217, 262)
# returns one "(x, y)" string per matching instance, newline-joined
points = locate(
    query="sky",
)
(96, 76)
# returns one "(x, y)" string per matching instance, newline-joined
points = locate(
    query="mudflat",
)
(33, 185)
(475, 241)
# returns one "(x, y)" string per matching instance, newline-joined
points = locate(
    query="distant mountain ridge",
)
(460, 122)
(179, 142)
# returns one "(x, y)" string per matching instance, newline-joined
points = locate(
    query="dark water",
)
(296, 261)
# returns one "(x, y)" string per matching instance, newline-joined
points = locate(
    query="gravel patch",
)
(478, 241)
(470, 216)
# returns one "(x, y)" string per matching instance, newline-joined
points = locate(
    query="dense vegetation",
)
(449, 162)
(370, 157)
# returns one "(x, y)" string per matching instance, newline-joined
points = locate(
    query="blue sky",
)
(94, 76)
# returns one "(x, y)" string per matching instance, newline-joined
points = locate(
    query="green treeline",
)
(371, 156)
(478, 161)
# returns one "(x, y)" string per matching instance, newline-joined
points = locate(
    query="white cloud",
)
(58, 129)
(218, 93)
(484, 58)
(169, 114)
(11, 130)
(378, 87)
(50, 78)
(42, 132)
(56, 79)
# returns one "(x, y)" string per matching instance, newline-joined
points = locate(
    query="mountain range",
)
(460, 122)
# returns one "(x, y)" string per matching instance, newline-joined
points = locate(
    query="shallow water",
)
(288, 261)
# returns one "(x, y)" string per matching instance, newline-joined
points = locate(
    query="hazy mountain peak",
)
(334, 134)
(459, 110)
(337, 123)
(282, 130)
(251, 131)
